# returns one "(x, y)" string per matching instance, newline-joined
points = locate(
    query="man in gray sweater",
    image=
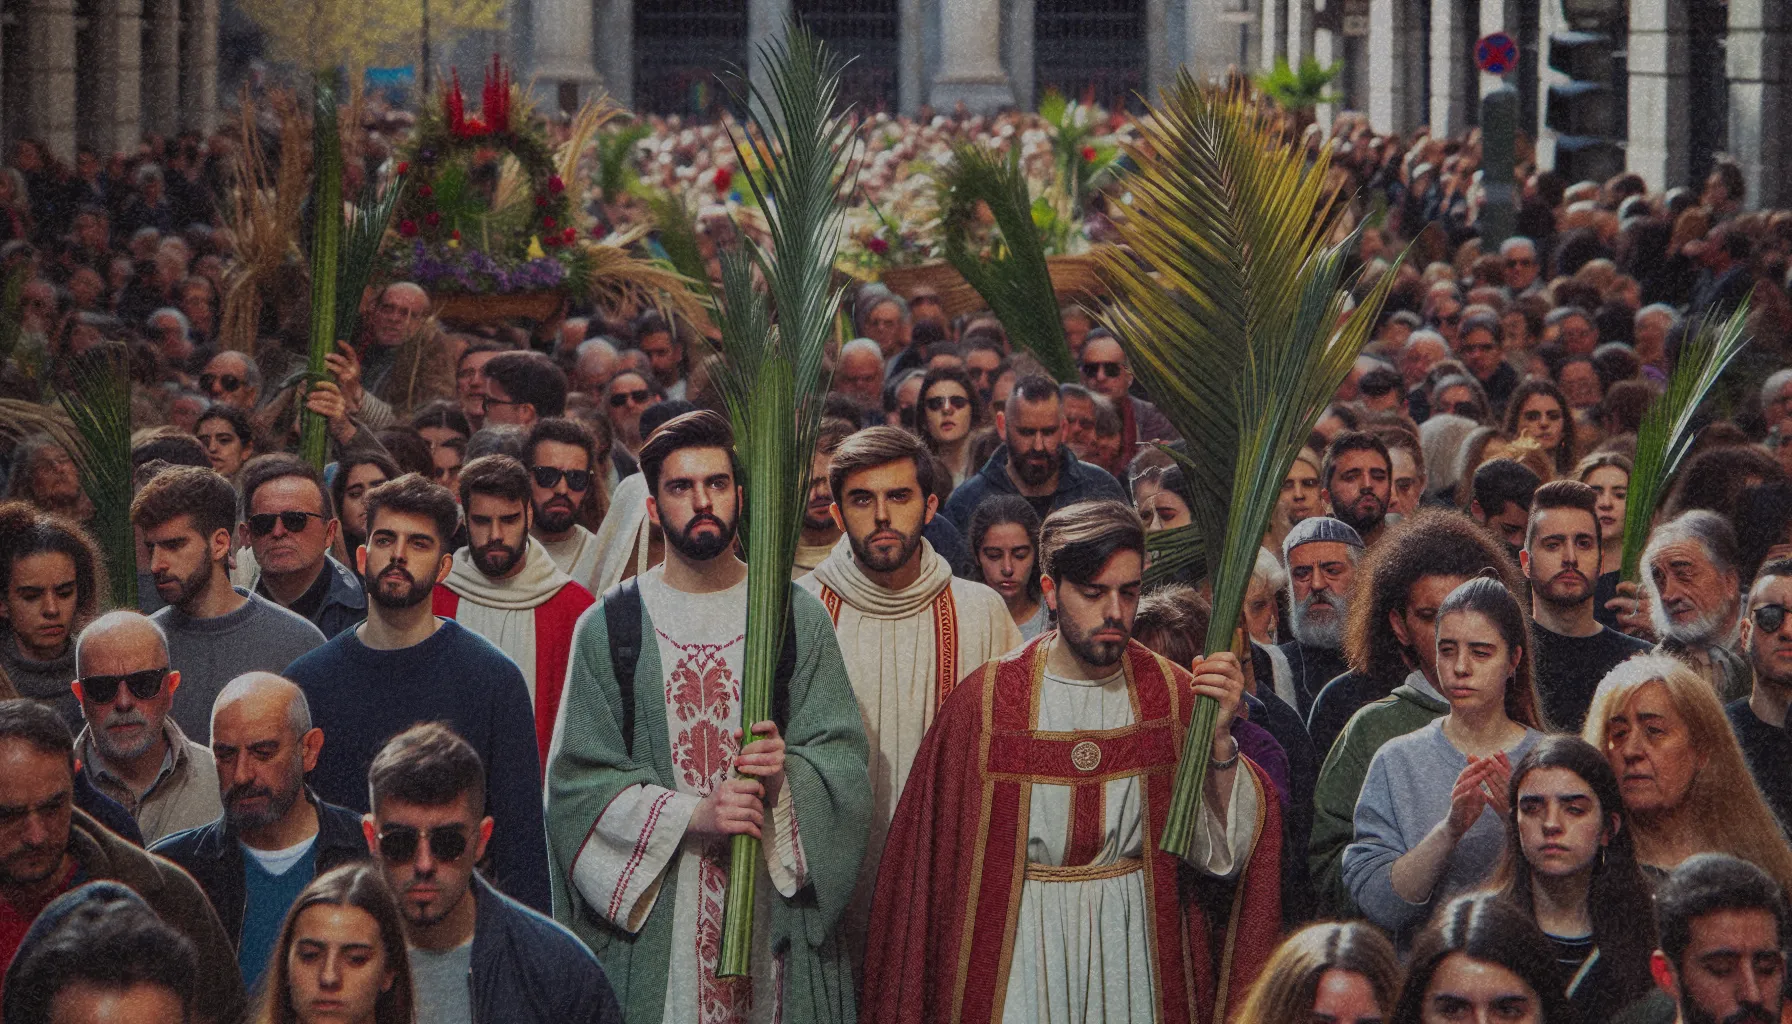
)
(216, 632)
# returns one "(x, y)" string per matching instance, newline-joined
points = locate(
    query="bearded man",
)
(650, 777)
(908, 629)
(1690, 579)
(566, 493)
(1022, 879)
(505, 588)
(1320, 554)
(1357, 483)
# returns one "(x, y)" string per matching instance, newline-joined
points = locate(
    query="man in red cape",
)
(1022, 879)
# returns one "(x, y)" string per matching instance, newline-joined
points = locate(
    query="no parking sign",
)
(1496, 54)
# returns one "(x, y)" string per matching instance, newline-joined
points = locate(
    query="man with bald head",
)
(593, 367)
(131, 748)
(274, 835)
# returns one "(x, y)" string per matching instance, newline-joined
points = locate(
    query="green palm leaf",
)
(1013, 279)
(1232, 308)
(326, 255)
(1666, 433)
(774, 380)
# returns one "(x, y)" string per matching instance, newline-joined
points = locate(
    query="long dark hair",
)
(1483, 927)
(1618, 898)
(1563, 456)
(998, 510)
(1488, 596)
(352, 885)
(957, 375)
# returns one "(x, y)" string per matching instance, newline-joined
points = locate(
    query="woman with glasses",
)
(1538, 410)
(951, 411)
(1427, 821)
(1004, 535)
(1681, 773)
(341, 957)
(229, 440)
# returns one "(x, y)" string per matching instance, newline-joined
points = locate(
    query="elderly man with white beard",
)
(1691, 585)
(1321, 555)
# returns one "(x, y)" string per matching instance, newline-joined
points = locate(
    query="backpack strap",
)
(622, 615)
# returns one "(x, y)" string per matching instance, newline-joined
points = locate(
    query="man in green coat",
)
(648, 779)
(1391, 689)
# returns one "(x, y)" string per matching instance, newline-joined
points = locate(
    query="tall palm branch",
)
(1013, 278)
(1232, 309)
(1666, 433)
(774, 379)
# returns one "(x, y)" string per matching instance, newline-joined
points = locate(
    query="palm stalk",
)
(360, 248)
(774, 380)
(326, 253)
(1233, 310)
(1014, 278)
(1666, 433)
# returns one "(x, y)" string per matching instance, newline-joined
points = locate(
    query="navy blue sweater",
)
(361, 697)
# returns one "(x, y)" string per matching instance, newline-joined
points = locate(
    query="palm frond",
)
(592, 115)
(620, 280)
(1175, 554)
(361, 240)
(326, 255)
(263, 212)
(676, 233)
(1232, 308)
(1666, 434)
(1013, 278)
(616, 175)
(774, 380)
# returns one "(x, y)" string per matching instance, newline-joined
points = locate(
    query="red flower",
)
(407, 228)
(1088, 154)
(455, 234)
(597, 231)
(404, 166)
(425, 191)
(547, 222)
(433, 218)
(569, 234)
(878, 245)
(724, 178)
(541, 202)
(555, 184)
(550, 241)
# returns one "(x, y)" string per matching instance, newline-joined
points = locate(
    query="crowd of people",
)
(450, 730)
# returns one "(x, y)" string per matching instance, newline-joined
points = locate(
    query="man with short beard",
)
(650, 776)
(1321, 555)
(1759, 720)
(1042, 786)
(1721, 956)
(820, 532)
(1570, 651)
(564, 484)
(275, 835)
(405, 665)
(908, 629)
(1033, 460)
(505, 588)
(1690, 584)
(1356, 483)
(131, 749)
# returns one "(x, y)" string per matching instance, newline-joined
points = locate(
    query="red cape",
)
(554, 622)
(943, 921)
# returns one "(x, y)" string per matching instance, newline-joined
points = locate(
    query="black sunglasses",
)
(229, 381)
(548, 476)
(398, 843)
(1769, 617)
(622, 398)
(143, 685)
(1103, 369)
(262, 523)
(938, 403)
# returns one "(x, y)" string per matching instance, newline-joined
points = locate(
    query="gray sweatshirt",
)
(260, 636)
(1405, 795)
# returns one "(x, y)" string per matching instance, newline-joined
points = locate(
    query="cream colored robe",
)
(577, 556)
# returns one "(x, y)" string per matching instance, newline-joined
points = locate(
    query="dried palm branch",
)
(620, 279)
(774, 379)
(1666, 433)
(1013, 278)
(1232, 308)
(616, 175)
(593, 115)
(263, 214)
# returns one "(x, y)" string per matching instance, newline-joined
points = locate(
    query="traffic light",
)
(1585, 112)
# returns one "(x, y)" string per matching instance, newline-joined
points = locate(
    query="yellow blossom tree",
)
(365, 33)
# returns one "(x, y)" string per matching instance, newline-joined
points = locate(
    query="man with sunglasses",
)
(131, 749)
(476, 955)
(1107, 373)
(232, 378)
(186, 518)
(1520, 269)
(561, 456)
(289, 525)
(628, 396)
(1759, 720)
(507, 589)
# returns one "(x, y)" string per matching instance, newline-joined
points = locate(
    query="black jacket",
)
(214, 857)
(526, 969)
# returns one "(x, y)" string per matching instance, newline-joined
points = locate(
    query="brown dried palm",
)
(263, 213)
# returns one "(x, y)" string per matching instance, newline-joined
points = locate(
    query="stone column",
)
(1302, 34)
(1020, 63)
(1393, 71)
(970, 69)
(161, 67)
(199, 67)
(1273, 24)
(49, 114)
(1451, 42)
(911, 55)
(1660, 146)
(1760, 72)
(765, 22)
(616, 49)
(117, 103)
(562, 56)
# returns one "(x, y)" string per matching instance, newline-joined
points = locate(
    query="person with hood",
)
(98, 955)
(507, 589)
